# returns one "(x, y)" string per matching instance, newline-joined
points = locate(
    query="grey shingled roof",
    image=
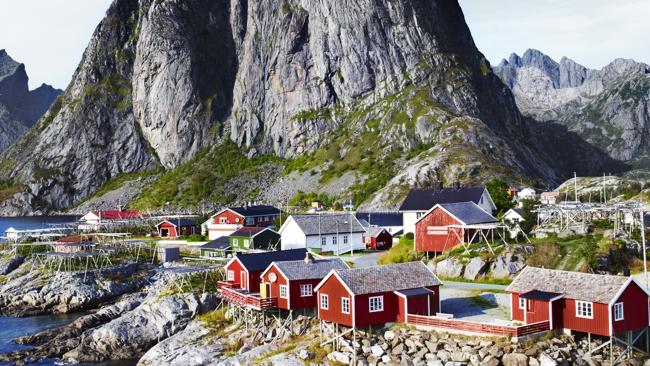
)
(327, 223)
(573, 285)
(469, 213)
(318, 268)
(374, 231)
(391, 277)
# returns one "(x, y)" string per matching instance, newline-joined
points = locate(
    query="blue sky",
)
(49, 36)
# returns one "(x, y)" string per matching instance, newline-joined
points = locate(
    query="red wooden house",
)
(362, 297)
(242, 284)
(448, 225)
(377, 238)
(174, 228)
(579, 302)
(293, 282)
(229, 220)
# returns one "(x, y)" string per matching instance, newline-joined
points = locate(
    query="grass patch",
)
(400, 253)
(486, 281)
(215, 321)
(320, 353)
(279, 351)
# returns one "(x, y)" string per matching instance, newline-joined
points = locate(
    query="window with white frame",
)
(250, 221)
(345, 305)
(235, 242)
(324, 302)
(618, 311)
(522, 303)
(584, 309)
(323, 241)
(223, 220)
(376, 304)
(284, 291)
(231, 275)
(345, 239)
(334, 239)
(247, 243)
(306, 290)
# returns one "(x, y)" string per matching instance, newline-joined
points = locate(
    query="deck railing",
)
(243, 298)
(476, 327)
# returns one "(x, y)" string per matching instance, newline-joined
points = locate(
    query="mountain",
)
(230, 100)
(610, 107)
(20, 107)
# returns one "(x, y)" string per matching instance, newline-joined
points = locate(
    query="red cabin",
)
(176, 227)
(244, 270)
(362, 297)
(293, 282)
(581, 302)
(448, 225)
(378, 238)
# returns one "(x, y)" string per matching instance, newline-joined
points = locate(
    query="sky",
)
(49, 36)
(591, 32)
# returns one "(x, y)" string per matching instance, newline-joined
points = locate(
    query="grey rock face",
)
(450, 267)
(20, 108)
(506, 265)
(475, 268)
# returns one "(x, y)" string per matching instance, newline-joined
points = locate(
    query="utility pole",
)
(575, 185)
(645, 262)
(350, 241)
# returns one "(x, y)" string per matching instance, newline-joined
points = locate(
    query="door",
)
(164, 233)
(242, 280)
(264, 290)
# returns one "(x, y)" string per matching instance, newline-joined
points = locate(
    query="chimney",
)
(308, 258)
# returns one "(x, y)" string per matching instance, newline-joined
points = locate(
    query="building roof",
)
(249, 231)
(259, 261)
(218, 243)
(179, 222)
(574, 285)
(420, 291)
(468, 212)
(374, 231)
(518, 211)
(387, 218)
(318, 224)
(539, 295)
(391, 277)
(257, 210)
(118, 215)
(75, 239)
(317, 268)
(424, 199)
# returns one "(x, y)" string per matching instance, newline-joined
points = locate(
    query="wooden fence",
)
(475, 327)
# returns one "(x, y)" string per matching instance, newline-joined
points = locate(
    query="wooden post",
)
(611, 351)
(354, 346)
(589, 340)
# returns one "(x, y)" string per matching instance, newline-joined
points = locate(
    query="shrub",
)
(409, 236)
(399, 253)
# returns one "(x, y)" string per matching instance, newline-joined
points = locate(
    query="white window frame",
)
(345, 304)
(619, 313)
(235, 242)
(324, 302)
(323, 241)
(230, 275)
(242, 276)
(306, 290)
(250, 221)
(247, 243)
(284, 289)
(376, 304)
(522, 304)
(345, 239)
(334, 240)
(223, 220)
(584, 309)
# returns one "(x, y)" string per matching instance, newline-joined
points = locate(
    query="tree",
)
(528, 206)
(499, 192)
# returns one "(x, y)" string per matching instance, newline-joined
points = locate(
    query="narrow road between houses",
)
(473, 286)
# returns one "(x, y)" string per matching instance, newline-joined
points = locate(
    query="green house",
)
(250, 238)
(218, 248)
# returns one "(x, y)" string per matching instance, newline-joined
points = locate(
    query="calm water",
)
(11, 328)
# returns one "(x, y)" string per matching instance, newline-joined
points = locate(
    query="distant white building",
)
(549, 198)
(336, 233)
(526, 193)
(514, 215)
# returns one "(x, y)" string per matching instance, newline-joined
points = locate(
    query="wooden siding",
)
(537, 311)
(230, 216)
(283, 303)
(300, 302)
(635, 310)
(254, 281)
(335, 291)
(443, 238)
(237, 268)
(598, 325)
(383, 241)
(171, 230)
(476, 327)
(364, 318)
(517, 314)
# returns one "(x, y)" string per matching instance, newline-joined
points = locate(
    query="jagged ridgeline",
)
(221, 96)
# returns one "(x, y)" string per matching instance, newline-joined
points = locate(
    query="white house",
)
(514, 215)
(337, 233)
(526, 193)
(93, 220)
(229, 220)
(419, 201)
(549, 198)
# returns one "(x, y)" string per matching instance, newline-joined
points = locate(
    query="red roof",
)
(73, 239)
(116, 215)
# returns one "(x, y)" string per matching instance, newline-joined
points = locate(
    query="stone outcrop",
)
(609, 108)
(161, 80)
(20, 107)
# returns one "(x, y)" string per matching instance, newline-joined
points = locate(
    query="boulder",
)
(376, 350)
(389, 335)
(450, 267)
(8, 265)
(339, 357)
(506, 265)
(475, 268)
(546, 360)
(515, 359)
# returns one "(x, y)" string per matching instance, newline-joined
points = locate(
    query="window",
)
(324, 302)
(235, 242)
(522, 303)
(231, 275)
(223, 220)
(306, 290)
(345, 305)
(345, 239)
(266, 218)
(418, 215)
(247, 243)
(618, 311)
(334, 238)
(584, 309)
(323, 241)
(250, 221)
(376, 304)
(283, 291)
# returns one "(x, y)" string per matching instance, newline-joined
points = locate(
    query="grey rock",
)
(506, 265)
(340, 357)
(475, 268)
(450, 267)
(7, 265)
(546, 360)
(515, 359)
(376, 350)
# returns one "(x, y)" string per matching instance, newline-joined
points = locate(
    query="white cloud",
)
(592, 32)
(49, 36)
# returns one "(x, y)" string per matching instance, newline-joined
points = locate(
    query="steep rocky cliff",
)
(609, 108)
(20, 107)
(365, 87)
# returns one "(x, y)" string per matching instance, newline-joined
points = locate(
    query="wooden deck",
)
(244, 298)
(475, 327)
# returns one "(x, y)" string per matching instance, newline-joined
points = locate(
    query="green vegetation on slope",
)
(399, 253)
(499, 192)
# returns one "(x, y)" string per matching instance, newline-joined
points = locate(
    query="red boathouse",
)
(378, 238)
(362, 297)
(176, 227)
(293, 282)
(604, 305)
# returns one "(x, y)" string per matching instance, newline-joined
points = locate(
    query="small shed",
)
(378, 238)
(217, 248)
(254, 238)
(168, 254)
(174, 228)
